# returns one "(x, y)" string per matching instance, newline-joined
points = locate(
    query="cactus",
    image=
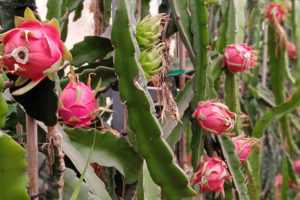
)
(3, 105)
(141, 121)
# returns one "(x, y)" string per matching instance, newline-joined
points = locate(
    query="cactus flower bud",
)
(77, 103)
(211, 175)
(291, 50)
(151, 58)
(243, 146)
(275, 13)
(214, 117)
(239, 57)
(148, 30)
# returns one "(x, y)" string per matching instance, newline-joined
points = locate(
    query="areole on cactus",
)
(77, 104)
(211, 175)
(214, 117)
(239, 57)
(33, 50)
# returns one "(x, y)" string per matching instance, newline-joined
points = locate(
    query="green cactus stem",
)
(56, 164)
(3, 105)
(142, 123)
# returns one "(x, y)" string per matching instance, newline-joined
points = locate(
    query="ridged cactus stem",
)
(141, 121)
(182, 16)
(277, 68)
(199, 25)
(3, 105)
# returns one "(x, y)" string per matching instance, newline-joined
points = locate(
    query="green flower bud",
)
(149, 30)
(151, 59)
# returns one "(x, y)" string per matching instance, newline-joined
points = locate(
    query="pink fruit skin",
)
(297, 166)
(218, 174)
(238, 58)
(278, 13)
(291, 50)
(44, 47)
(82, 108)
(217, 119)
(243, 147)
(278, 180)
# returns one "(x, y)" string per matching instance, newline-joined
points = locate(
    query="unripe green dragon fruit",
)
(151, 58)
(149, 30)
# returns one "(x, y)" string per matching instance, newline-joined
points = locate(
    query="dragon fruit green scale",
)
(77, 104)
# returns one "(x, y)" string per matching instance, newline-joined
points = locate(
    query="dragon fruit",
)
(211, 175)
(33, 50)
(239, 57)
(77, 103)
(275, 13)
(297, 166)
(291, 50)
(243, 146)
(214, 117)
(278, 181)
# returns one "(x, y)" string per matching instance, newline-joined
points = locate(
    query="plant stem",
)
(32, 155)
(181, 55)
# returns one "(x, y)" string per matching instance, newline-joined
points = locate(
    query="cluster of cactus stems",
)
(225, 151)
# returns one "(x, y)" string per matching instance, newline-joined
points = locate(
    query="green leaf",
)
(78, 11)
(73, 4)
(233, 163)
(147, 188)
(182, 19)
(285, 177)
(106, 74)
(109, 151)
(107, 12)
(79, 183)
(176, 133)
(145, 8)
(54, 9)
(96, 185)
(70, 180)
(13, 178)
(90, 49)
(182, 100)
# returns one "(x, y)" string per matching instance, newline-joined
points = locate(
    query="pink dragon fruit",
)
(214, 117)
(275, 13)
(243, 146)
(77, 103)
(211, 174)
(239, 57)
(33, 50)
(278, 181)
(291, 50)
(297, 166)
